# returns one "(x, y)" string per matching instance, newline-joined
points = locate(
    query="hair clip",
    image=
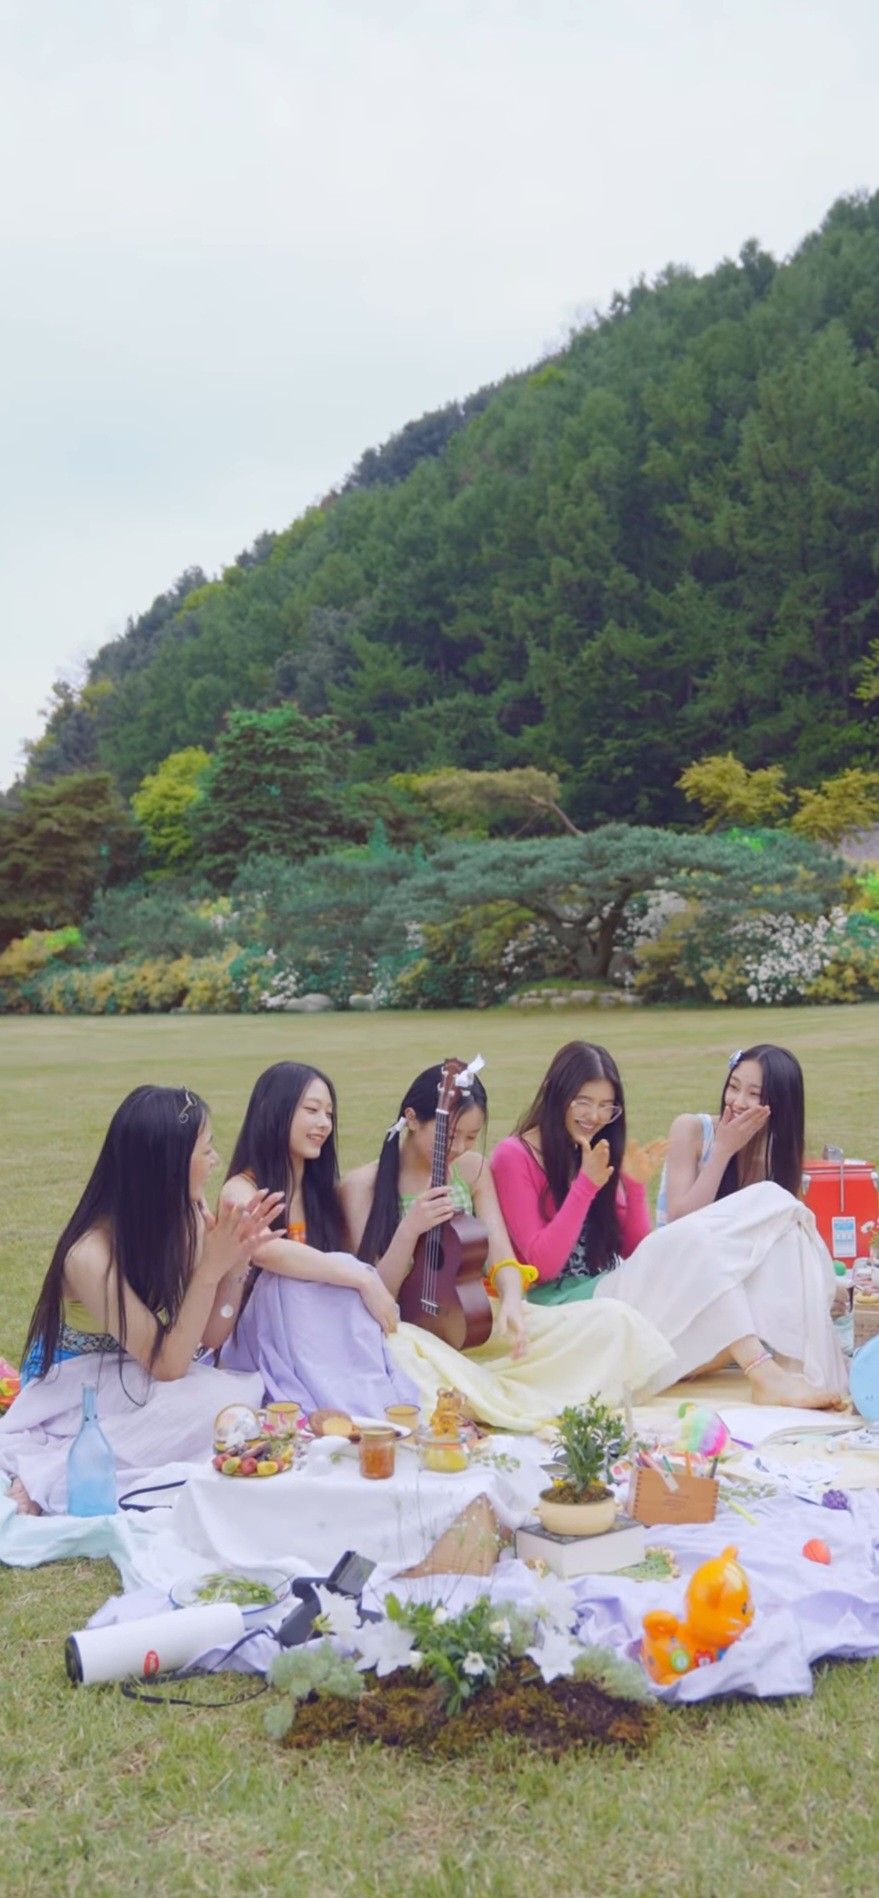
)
(735, 1057)
(399, 1127)
(186, 1110)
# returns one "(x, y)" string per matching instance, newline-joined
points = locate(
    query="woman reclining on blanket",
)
(535, 1361)
(140, 1278)
(742, 1276)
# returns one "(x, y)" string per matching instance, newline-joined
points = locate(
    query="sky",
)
(244, 240)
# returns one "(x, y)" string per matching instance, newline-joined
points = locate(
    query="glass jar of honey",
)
(377, 1451)
(446, 1455)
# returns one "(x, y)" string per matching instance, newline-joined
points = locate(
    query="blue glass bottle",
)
(91, 1465)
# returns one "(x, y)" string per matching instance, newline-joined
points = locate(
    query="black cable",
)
(148, 1489)
(135, 1689)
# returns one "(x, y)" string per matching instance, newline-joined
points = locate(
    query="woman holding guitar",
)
(533, 1361)
(428, 1180)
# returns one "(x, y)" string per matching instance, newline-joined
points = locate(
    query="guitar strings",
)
(432, 1250)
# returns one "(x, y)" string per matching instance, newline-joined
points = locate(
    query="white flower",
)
(473, 1664)
(556, 1654)
(501, 1627)
(415, 1659)
(384, 1645)
(554, 1601)
(339, 1615)
(440, 1615)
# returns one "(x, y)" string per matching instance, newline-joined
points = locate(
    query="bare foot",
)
(21, 1498)
(772, 1385)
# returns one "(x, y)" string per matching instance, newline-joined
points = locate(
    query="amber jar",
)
(377, 1451)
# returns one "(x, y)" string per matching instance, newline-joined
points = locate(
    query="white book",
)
(619, 1547)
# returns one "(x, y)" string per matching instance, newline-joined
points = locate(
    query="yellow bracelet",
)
(527, 1273)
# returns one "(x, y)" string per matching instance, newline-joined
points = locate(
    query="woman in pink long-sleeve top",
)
(571, 1190)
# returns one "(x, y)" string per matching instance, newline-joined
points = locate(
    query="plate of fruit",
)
(266, 1457)
(254, 1591)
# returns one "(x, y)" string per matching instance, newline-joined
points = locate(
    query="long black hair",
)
(384, 1213)
(263, 1150)
(138, 1190)
(575, 1064)
(784, 1093)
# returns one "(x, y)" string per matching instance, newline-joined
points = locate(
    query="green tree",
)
(163, 806)
(581, 888)
(63, 841)
(486, 801)
(847, 802)
(731, 794)
(275, 786)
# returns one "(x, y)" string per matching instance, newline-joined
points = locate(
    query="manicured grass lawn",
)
(99, 1794)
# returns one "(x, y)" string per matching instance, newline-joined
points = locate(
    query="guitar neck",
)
(439, 1171)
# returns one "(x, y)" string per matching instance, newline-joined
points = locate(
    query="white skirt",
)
(752, 1263)
(148, 1423)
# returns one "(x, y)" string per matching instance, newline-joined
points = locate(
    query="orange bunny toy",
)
(719, 1608)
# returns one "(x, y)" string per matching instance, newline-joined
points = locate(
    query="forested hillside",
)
(660, 543)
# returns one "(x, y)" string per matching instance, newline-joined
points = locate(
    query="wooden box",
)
(651, 1500)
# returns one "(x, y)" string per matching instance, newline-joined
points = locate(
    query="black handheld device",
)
(349, 1577)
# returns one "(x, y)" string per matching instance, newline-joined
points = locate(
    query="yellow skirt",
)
(575, 1352)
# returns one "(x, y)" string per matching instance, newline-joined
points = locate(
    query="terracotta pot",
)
(576, 1519)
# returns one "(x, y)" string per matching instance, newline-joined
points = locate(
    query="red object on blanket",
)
(10, 1384)
(816, 1550)
(844, 1197)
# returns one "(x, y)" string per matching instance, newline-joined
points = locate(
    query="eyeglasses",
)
(187, 1109)
(602, 1116)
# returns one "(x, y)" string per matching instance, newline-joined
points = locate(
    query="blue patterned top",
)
(707, 1144)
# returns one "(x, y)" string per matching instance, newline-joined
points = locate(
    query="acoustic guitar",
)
(444, 1292)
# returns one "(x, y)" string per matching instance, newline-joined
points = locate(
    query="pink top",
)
(548, 1243)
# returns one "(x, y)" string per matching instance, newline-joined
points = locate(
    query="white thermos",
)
(153, 1645)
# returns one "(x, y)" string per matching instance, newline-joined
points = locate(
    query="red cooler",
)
(844, 1197)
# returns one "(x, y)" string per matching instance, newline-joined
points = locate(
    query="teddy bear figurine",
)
(718, 1608)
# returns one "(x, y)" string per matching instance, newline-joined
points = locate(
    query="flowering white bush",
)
(782, 955)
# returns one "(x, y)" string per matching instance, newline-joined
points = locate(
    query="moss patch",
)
(555, 1717)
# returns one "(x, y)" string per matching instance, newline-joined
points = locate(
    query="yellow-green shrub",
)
(210, 988)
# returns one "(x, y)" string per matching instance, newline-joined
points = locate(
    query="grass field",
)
(99, 1794)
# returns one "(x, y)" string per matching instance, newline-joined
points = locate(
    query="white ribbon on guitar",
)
(468, 1075)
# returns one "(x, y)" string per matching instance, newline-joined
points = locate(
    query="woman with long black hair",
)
(758, 1133)
(570, 1183)
(313, 1319)
(141, 1277)
(534, 1362)
(736, 1271)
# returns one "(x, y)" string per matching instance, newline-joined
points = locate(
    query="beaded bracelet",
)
(527, 1273)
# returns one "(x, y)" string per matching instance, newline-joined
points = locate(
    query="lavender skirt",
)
(318, 1344)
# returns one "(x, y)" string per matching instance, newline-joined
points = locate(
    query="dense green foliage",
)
(660, 543)
(58, 846)
(463, 926)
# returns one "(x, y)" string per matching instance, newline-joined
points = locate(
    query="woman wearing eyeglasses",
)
(570, 1184)
(534, 1362)
(740, 1278)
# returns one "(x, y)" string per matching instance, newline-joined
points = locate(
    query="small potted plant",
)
(579, 1502)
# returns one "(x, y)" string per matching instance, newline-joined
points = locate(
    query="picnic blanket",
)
(301, 1522)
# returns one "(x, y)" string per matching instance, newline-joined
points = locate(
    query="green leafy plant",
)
(463, 1653)
(592, 1436)
(300, 1672)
